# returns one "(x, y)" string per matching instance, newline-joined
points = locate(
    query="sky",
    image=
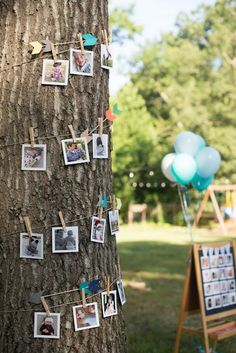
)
(156, 17)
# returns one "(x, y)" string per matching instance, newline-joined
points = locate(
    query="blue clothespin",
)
(104, 202)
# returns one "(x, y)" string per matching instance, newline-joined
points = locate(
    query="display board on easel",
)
(210, 288)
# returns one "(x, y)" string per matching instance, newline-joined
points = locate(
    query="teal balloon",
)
(200, 183)
(187, 142)
(208, 162)
(184, 168)
(201, 142)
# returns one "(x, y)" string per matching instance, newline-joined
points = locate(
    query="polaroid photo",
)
(206, 275)
(223, 286)
(114, 221)
(215, 274)
(213, 261)
(63, 242)
(228, 260)
(55, 72)
(106, 57)
(218, 303)
(210, 303)
(121, 292)
(230, 272)
(98, 230)
(81, 64)
(204, 262)
(46, 326)
(216, 287)
(231, 285)
(85, 317)
(75, 152)
(109, 303)
(33, 158)
(222, 273)
(208, 289)
(31, 248)
(225, 299)
(232, 298)
(100, 146)
(221, 260)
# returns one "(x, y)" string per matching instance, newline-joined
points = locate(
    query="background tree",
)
(74, 189)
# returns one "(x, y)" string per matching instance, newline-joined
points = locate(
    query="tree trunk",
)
(72, 189)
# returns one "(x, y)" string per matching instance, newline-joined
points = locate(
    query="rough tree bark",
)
(74, 190)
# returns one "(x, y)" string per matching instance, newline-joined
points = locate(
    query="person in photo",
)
(75, 152)
(221, 260)
(47, 327)
(81, 318)
(121, 292)
(32, 157)
(98, 230)
(110, 306)
(65, 241)
(205, 262)
(32, 248)
(100, 147)
(57, 74)
(85, 317)
(81, 62)
(232, 285)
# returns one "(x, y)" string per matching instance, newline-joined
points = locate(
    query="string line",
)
(184, 206)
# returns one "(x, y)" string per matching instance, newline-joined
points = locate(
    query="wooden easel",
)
(213, 328)
(210, 192)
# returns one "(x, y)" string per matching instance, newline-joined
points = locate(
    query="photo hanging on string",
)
(106, 57)
(98, 230)
(81, 64)
(33, 158)
(31, 247)
(75, 152)
(65, 242)
(100, 146)
(55, 72)
(85, 317)
(114, 221)
(109, 303)
(46, 326)
(121, 291)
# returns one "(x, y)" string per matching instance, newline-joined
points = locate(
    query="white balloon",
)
(166, 164)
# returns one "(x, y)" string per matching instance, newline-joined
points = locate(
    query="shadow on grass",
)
(152, 316)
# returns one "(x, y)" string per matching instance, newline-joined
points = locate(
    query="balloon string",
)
(185, 210)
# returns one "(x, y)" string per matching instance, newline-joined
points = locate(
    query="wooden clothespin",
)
(107, 284)
(110, 35)
(62, 221)
(28, 226)
(54, 55)
(100, 124)
(81, 43)
(72, 133)
(100, 213)
(83, 297)
(46, 308)
(113, 204)
(106, 38)
(31, 135)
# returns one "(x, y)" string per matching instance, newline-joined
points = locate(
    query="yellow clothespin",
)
(31, 135)
(28, 226)
(81, 43)
(83, 297)
(46, 308)
(54, 55)
(100, 213)
(62, 221)
(72, 133)
(100, 124)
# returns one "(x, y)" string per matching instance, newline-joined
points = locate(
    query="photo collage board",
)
(218, 278)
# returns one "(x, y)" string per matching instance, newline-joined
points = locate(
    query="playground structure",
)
(137, 208)
(230, 205)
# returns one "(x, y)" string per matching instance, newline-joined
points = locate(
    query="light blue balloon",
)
(201, 142)
(208, 162)
(187, 142)
(184, 168)
(200, 183)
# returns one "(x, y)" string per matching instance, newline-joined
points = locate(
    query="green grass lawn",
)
(157, 256)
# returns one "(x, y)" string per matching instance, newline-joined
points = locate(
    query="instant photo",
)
(206, 274)
(114, 221)
(121, 292)
(210, 303)
(100, 146)
(55, 72)
(98, 230)
(31, 247)
(81, 63)
(85, 317)
(75, 152)
(63, 242)
(208, 289)
(33, 158)
(109, 303)
(106, 57)
(204, 262)
(46, 326)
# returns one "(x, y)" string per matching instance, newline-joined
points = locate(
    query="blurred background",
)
(175, 70)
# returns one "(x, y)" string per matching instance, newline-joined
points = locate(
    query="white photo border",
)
(50, 61)
(21, 246)
(63, 142)
(104, 294)
(72, 72)
(92, 228)
(44, 147)
(73, 228)
(87, 327)
(36, 315)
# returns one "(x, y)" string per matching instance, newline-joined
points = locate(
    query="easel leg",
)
(214, 346)
(206, 341)
(178, 336)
